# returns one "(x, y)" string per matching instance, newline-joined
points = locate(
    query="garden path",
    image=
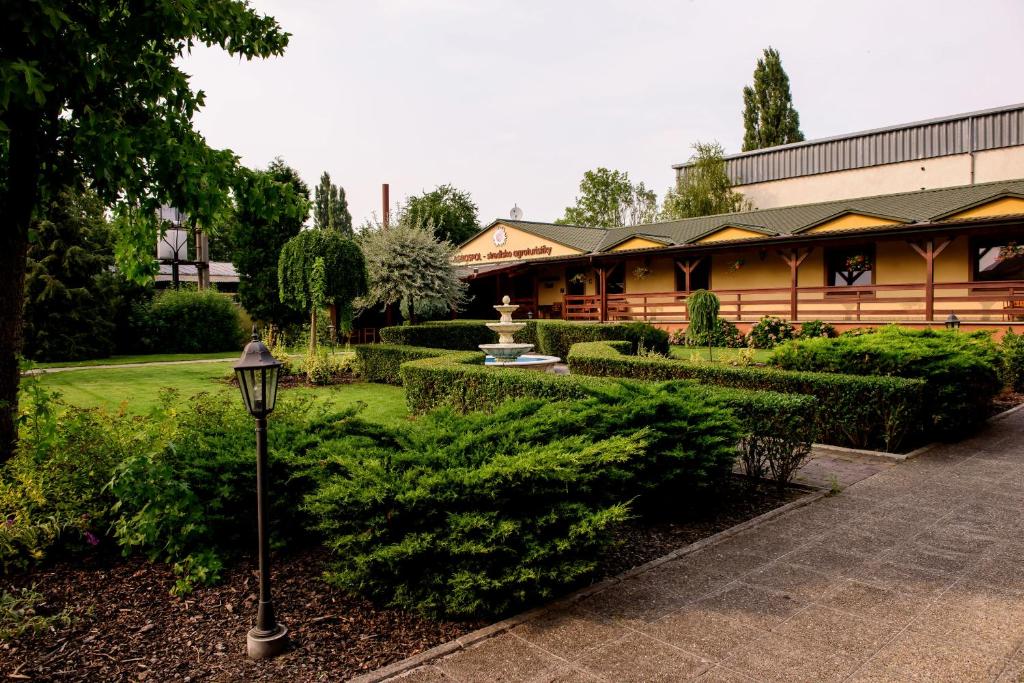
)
(910, 574)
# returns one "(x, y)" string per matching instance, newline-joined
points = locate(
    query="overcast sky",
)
(513, 100)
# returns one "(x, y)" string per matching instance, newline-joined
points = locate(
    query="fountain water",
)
(507, 353)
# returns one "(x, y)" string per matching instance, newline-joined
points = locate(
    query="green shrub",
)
(725, 334)
(323, 367)
(961, 370)
(555, 337)
(456, 335)
(480, 515)
(189, 321)
(816, 328)
(1013, 360)
(460, 381)
(381, 362)
(769, 332)
(852, 410)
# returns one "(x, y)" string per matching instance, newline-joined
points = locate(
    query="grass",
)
(136, 390)
(147, 358)
(721, 354)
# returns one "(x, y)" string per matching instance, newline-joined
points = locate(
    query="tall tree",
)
(408, 265)
(450, 211)
(270, 208)
(92, 89)
(608, 199)
(320, 268)
(704, 188)
(330, 207)
(769, 118)
(69, 292)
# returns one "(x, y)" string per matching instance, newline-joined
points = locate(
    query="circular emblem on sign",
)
(500, 237)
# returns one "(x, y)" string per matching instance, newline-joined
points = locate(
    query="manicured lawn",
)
(720, 354)
(137, 390)
(148, 358)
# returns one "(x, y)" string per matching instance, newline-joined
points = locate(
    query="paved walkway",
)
(913, 574)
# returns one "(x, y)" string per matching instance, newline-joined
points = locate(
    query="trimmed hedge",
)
(962, 371)
(555, 337)
(459, 380)
(550, 337)
(380, 362)
(852, 410)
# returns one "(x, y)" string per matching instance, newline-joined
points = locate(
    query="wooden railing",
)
(971, 301)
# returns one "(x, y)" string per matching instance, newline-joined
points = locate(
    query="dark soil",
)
(127, 627)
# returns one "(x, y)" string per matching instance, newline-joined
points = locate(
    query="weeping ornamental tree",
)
(319, 268)
(407, 265)
(703, 307)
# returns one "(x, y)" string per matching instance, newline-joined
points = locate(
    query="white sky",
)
(513, 100)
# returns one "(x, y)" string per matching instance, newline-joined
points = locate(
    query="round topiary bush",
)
(189, 321)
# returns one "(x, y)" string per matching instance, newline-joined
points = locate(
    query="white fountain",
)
(507, 353)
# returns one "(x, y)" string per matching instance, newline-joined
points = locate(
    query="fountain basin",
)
(505, 352)
(526, 362)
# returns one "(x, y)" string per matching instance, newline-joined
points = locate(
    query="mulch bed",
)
(1006, 400)
(127, 627)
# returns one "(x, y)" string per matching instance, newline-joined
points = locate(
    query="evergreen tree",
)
(704, 189)
(769, 118)
(69, 288)
(450, 211)
(271, 207)
(330, 207)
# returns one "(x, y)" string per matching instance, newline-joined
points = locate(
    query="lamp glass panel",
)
(245, 386)
(271, 397)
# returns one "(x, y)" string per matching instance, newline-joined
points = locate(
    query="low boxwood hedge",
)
(459, 380)
(381, 362)
(852, 410)
(961, 370)
(550, 337)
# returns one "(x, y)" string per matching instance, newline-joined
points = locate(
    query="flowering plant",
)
(641, 272)
(578, 279)
(1011, 250)
(737, 264)
(858, 263)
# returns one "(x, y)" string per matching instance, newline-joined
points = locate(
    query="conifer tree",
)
(330, 207)
(769, 118)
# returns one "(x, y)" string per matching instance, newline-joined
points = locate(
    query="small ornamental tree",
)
(408, 264)
(319, 268)
(703, 306)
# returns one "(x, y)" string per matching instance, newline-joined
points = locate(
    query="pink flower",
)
(91, 538)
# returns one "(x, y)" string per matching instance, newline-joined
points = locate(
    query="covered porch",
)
(917, 277)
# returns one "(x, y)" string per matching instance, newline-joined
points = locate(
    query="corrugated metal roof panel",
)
(977, 131)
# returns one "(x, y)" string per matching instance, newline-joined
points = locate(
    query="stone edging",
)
(1006, 413)
(884, 455)
(404, 665)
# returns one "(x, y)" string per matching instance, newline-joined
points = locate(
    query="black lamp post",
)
(952, 322)
(257, 373)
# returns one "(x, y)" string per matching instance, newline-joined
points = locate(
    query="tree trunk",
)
(312, 330)
(334, 323)
(16, 209)
(412, 312)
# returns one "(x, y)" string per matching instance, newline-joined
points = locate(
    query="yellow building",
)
(913, 258)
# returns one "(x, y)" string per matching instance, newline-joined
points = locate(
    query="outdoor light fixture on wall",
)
(952, 322)
(257, 373)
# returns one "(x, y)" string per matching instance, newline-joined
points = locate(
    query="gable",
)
(1004, 206)
(729, 232)
(518, 245)
(852, 221)
(637, 243)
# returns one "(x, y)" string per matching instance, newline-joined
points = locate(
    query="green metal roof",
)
(922, 206)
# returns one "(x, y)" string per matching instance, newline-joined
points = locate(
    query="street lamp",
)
(257, 373)
(952, 322)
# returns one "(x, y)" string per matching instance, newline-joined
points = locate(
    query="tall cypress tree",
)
(330, 207)
(769, 118)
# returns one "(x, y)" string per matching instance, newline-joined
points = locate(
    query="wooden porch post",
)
(602, 293)
(688, 267)
(929, 253)
(793, 259)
